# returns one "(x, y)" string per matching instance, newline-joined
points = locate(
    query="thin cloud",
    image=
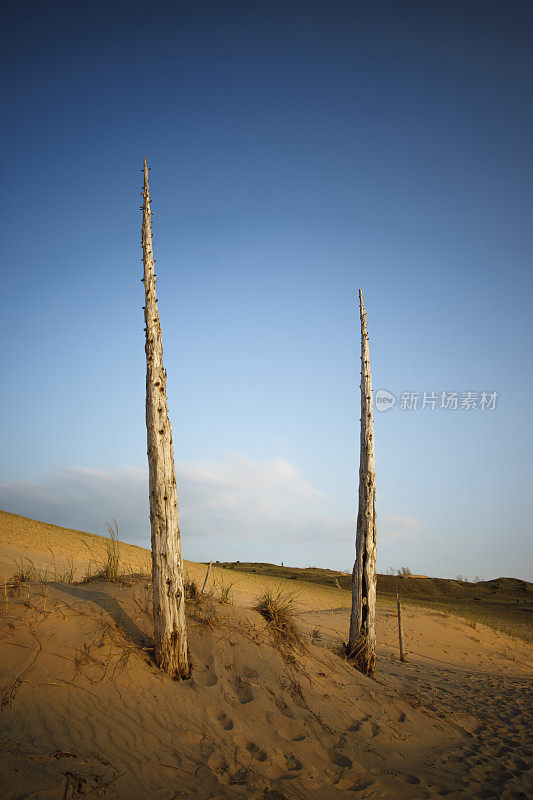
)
(236, 498)
(397, 527)
(233, 500)
(83, 498)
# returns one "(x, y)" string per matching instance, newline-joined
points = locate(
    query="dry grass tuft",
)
(205, 616)
(111, 567)
(27, 573)
(62, 573)
(226, 595)
(358, 655)
(279, 612)
(23, 574)
(191, 589)
(200, 606)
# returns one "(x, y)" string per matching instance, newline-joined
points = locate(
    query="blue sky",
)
(299, 151)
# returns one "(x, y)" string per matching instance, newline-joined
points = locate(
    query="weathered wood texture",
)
(206, 577)
(400, 629)
(362, 639)
(170, 630)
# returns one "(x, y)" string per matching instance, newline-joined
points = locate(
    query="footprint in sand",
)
(256, 752)
(357, 725)
(293, 764)
(412, 779)
(340, 760)
(243, 691)
(225, 721)
(369, 728)
(361, 785)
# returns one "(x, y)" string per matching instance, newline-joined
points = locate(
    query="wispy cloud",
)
(400, 528)
(233, 500)
(236, 498)
(245, 497)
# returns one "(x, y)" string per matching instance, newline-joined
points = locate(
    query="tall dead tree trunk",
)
(361, 646)
(170, 630)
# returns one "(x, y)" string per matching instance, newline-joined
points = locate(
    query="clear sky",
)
(298, 151)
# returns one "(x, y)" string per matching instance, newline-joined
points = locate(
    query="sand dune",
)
(84, 712)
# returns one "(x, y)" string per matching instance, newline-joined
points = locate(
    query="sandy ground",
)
(84, 712)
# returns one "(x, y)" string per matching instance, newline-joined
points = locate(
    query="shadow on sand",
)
(113, 609)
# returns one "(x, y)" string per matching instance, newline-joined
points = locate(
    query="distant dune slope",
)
(51, 548)
(505, 604)
(23, 539)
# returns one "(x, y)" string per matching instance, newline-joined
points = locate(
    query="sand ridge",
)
(85, 713)
(79, 690)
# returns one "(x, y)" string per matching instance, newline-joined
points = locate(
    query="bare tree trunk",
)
(400, 630)
(206, 577)
(170, 630)
(361, 646)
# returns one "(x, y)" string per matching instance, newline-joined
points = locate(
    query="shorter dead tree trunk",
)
(361, 647)
(400, 630)
(206, 577)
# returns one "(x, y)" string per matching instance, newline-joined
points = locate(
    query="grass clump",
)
(191, 589)
(26, 573)
(205, 616)
(110, 569)
(279, 612)
(200, 606)
(404, 572)
(358, 655)
(23, 575)
(226, 595)
(23, 572)
(63, 573)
